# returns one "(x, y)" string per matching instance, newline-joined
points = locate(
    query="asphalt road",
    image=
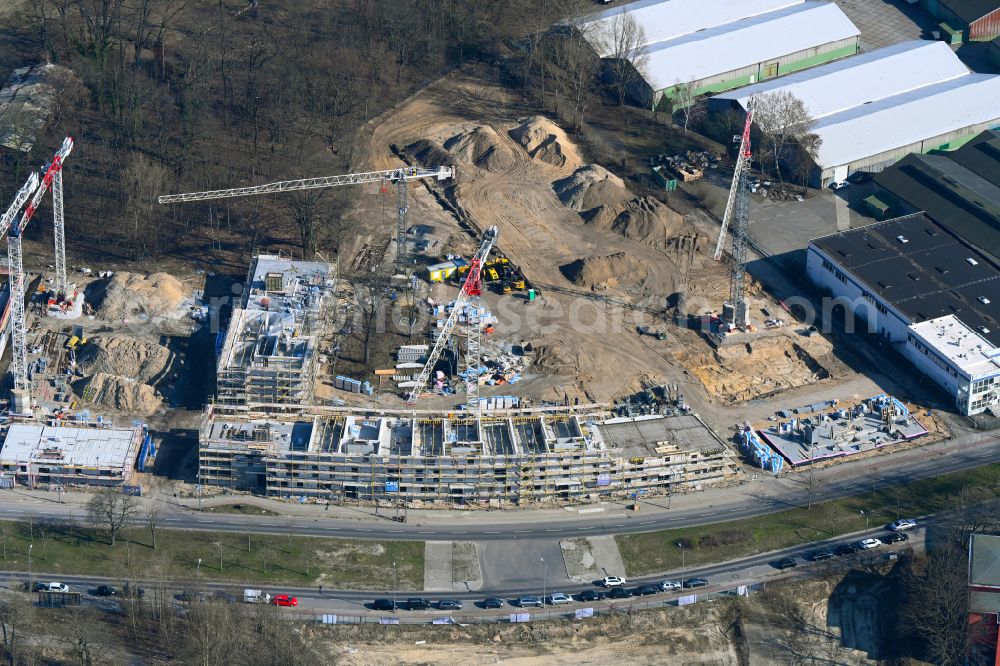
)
(756, 500)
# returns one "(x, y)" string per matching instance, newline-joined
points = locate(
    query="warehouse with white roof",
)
(874, 109)
(714, 45)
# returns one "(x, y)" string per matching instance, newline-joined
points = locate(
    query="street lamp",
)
(545, 572)
(198, 567)
(680, 544)
(866, 520)
(395, 585)
(30, 546)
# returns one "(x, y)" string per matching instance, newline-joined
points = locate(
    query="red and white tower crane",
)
(472, 288)
(18, 322)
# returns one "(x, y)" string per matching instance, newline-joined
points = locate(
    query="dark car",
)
(530, 601)
(188, 596)
(619, 593)
(493, 602)
(39, 587)
(644, 590)
(417, 603)
(133, 592)
(591, 595)
(223, 597)
(785, 563)
(844, 549)
(695, 582)
(450, 604)
(106, 591)
(895, 537)
(820, 555)
(384, 605)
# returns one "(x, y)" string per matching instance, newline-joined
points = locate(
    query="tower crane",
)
(738, 211)
(400, 177)
(471, 289)
(18, 322)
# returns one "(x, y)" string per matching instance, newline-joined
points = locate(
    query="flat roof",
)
(959, 190)
(930, 275)
(68, 446)
(662, 20)
(863, 78)
(970, 10)
(753, 40)
(907, 118)
(640, 436)
(964, 347)
(984, 573)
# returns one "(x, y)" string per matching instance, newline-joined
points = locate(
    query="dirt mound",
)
(614, 270)
(139, 360)
(121, 394)
(545, 141)
(429, 153)
(643, 219)
(590, 187)
(482, 147)
(130, 295)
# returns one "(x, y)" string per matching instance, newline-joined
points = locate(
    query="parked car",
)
(902, 524)
(417, 603)
(695, 582)
(450, 605)
(560, 598)
(785, 563)
(493, 602)
(38, 587)
(619, 593)
(891, 557)
(189, 596)
(223, 597)
(844, 549)
(839, 184)
(613, 581)
(820, 555)
(57, 587)
(867, 544)
(285, 600)
(671, 585)
(384, 605)
(895, 537)
(530, 601)
(644, 590)
(133, 592)
(591, 595)
(106, 591)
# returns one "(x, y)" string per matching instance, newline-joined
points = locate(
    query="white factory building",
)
(713, 45)
(933, 297)
(873, 109)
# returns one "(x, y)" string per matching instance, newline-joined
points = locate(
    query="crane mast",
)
(471, 289)
(738, 213)
(400, 177)
(18, 320)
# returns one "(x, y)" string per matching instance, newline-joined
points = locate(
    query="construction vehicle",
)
(400, 177)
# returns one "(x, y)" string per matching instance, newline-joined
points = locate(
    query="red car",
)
(285, 600)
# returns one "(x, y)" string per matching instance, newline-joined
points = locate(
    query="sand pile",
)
(130, 295)
(139, 360)
(482, 147)
(590, 187)
(643, 219)
(429, 153)
(614, 270)
(121, 394)
(545, 141)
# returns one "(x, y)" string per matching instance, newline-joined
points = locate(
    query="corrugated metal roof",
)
(907, 118)
(662, 20)
(844, 84)
(753, 40)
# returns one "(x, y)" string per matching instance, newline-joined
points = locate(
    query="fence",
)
(517, 615)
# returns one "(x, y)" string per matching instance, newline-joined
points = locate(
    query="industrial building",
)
(873, 109)
(959, 189)
(36, 455)
(928, 293)
(965, 20)
(984, 595)
(268, 354)
(487, 461)
(711, 45)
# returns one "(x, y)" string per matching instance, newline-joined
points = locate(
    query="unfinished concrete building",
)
(475, 462)
(269, 354)
(40, 456)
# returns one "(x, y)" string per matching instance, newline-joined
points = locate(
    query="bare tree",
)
(112, 510)
(784, 123)
(371, 290)
(15, 636)
(687, 104)
(152, 518)
(812, 485)
(937, 604)
(143, 179)
(836, 513)
(623, 43)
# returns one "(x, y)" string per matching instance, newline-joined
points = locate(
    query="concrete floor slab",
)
(437, 566)
(592, 558)
(451, 566)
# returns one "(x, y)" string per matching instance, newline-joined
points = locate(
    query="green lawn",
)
(659, 551)
(298, 560)
(241, 509)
